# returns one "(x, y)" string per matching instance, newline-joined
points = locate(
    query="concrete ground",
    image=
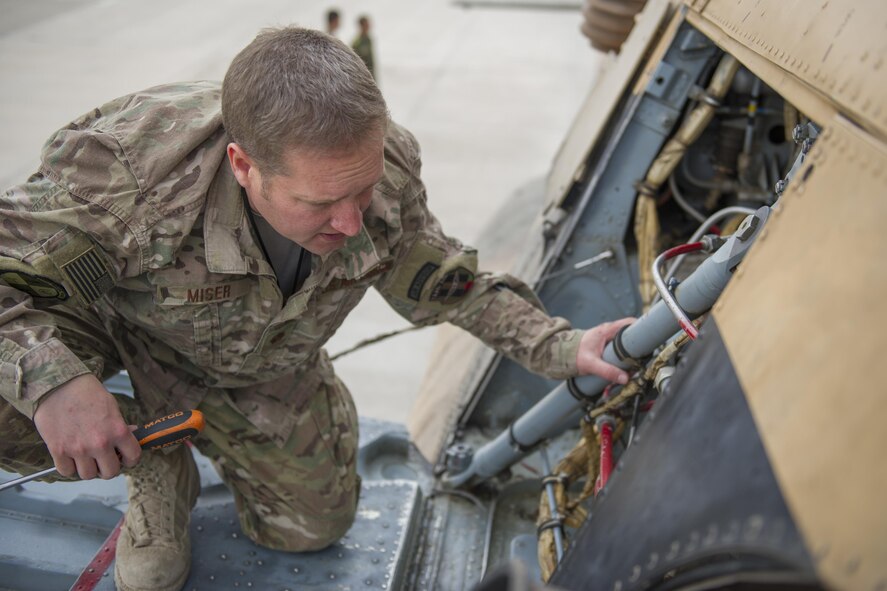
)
(489, 91)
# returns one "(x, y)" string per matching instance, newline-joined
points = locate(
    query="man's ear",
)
(242, 165)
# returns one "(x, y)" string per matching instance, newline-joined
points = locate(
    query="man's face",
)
(320, 201)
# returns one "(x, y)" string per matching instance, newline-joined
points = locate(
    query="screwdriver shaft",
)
(25, 479)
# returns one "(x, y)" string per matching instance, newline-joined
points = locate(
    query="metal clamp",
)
(554, 522)
(700, 94)
(554, 479)
(517, 444)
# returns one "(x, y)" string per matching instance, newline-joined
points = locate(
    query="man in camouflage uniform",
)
(363, 44)
(209, 240)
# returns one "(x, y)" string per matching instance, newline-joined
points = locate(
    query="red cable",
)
(682, 249)
(685, 324)
(690, 329)
(606, 455)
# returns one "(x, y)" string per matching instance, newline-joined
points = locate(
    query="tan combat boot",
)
(154, 549)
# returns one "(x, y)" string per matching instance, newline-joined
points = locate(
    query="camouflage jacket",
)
(363, 47)
(130, 248)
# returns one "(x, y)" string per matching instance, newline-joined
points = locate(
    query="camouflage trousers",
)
(302, 496)
(296, 497)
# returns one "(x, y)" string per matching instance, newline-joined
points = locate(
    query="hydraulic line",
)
(682, 201)
(724, 185)
(636, 387)
(703, 228)
(663, 377)
(727, 150)
(665, 294)
(554, 516)
(587, 453)
(582, 461)
(693, 125)
(488, 540)
(562, 407)
(634, 421)
(752, 116)
(646, 227)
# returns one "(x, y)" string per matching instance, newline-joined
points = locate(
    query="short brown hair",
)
(299, 88)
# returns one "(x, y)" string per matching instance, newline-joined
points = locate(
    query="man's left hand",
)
(591, 348)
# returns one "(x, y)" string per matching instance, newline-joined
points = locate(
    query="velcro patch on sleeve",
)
(70, 266)
(36, 286)
(81, 265)
(420, 279)
(40, 278)
(452, 286)
(432, 278)
(88, 275)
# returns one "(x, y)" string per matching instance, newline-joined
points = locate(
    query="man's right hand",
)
(84, 430)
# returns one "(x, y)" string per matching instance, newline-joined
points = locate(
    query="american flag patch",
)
(89, 276)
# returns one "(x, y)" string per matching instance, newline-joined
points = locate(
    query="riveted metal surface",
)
(39, 552)
(829, 229)
(50, 532)
(372, 555)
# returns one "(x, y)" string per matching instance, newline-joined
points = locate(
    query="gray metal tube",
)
(701, 231)
(547, 417)
(28, 478)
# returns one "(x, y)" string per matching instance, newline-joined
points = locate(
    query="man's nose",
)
(347, 218)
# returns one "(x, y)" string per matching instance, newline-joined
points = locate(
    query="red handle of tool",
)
(170, 430)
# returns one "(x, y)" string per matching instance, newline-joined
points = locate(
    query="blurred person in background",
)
(332, 21)
(363, 44)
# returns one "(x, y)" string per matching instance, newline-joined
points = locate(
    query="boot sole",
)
(175, 586)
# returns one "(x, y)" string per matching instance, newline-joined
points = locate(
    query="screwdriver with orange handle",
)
(169, 430)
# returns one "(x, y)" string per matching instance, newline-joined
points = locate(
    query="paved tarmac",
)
(489, 91)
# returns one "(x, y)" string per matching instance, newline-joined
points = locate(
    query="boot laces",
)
(151, 506)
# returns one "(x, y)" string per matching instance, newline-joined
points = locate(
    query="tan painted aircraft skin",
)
(804, 319)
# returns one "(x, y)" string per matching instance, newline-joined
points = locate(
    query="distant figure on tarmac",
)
(332, 21)
(363, 44)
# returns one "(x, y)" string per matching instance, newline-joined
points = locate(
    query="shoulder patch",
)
(433, 277)
(452, 286)
(34, 285)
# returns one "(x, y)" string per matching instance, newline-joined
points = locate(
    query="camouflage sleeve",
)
(434, 279)
(50, 258)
